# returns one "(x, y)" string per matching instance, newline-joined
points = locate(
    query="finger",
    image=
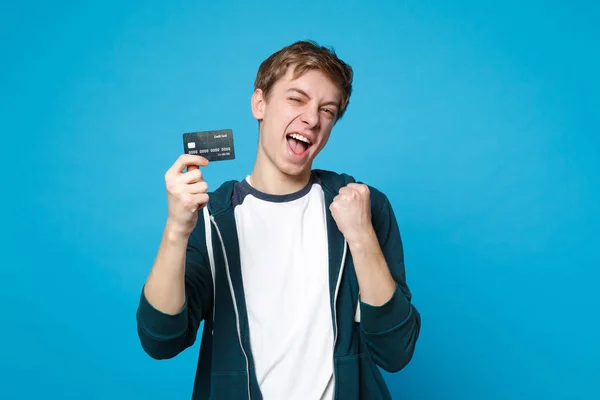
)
(192, 176)
(360, 187)
(192, 202)
(346, 191)
(187, 160)
(198, 187)
(200, 199)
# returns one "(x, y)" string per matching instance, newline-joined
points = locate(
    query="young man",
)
(298, 274)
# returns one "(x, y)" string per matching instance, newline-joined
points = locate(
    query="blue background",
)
(479, 120)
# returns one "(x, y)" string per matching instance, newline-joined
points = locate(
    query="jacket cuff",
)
(381, 319)
(161, 325)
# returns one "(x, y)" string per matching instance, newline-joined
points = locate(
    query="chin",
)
(294, 170)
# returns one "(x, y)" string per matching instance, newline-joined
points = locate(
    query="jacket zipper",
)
(237, 316)
(337, 287)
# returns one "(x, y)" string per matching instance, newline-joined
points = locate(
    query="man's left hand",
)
(351, 210)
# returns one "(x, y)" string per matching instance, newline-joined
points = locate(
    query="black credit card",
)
(212, 145)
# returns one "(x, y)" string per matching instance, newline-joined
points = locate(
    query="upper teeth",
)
(300, 137)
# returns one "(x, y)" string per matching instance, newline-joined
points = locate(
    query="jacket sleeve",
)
(392, 329)
(164, 336)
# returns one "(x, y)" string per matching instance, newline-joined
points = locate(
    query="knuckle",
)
(171, 186)
(202, 198)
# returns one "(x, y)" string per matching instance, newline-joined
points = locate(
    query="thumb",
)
(192, 167)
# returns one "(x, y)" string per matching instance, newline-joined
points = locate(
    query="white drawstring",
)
(211, 258)
(207, 226)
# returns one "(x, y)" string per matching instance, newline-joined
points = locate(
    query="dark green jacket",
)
(366, 337)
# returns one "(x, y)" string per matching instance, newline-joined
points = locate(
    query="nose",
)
(310, 116)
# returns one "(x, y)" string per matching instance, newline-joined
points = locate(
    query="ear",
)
(258, 104)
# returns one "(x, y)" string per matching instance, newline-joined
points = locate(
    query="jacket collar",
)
(331, 182)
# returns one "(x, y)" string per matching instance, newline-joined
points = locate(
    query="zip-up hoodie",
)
(366, 337)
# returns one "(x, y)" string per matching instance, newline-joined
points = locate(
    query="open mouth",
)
(298, 144)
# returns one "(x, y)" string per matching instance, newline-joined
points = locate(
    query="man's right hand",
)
(186, 193)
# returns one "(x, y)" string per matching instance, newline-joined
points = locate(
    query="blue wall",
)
(479, 121)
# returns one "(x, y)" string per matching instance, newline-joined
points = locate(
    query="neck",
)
(268, 179)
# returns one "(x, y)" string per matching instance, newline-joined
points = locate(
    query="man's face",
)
(296, 120)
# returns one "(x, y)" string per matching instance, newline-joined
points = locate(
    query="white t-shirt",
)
(284, 260)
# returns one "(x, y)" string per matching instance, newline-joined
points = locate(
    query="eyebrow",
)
(303, 93)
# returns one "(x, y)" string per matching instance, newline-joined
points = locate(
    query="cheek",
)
(290, 113)
(281, 118)
(324, 139)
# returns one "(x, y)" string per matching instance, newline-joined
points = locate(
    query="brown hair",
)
(304, 56)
